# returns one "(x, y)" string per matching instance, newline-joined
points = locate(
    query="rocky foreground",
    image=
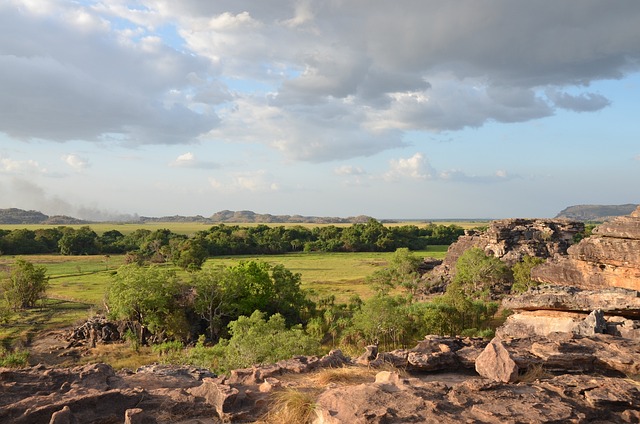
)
(561, 378)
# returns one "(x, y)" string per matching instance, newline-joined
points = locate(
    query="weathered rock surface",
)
(608, 258)
(547, 309)
(431, 393)
(614, 301)
(566, 398)
(512, 239)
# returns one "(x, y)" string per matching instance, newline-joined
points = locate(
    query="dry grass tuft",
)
(344, 375)
(291, 406)
(534, 372)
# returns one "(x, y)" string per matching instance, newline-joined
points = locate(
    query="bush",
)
(25, 285)
(255, 340)
(522, 274)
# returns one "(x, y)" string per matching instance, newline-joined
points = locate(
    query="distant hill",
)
(252, 217)
(19, 216)
(596, 213)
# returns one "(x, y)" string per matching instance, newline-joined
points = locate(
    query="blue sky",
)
(407, 109)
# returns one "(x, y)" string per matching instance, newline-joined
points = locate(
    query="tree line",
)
(164, 245)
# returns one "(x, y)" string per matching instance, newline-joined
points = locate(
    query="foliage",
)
(189, 254)
(402, 271)
(454, 313)
(588, 230)
(225, 293)
(166, 348)
(477, 274)
(25, 285)
(163, 244)
(383, 320)
(522, 273)
(83, 241)
(257, 340)
(13, 359)
(150, 298)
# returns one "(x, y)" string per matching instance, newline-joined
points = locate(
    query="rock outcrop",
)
(581, 382)
(608, 258)
(509, 240)
(545, 379)
(561, 399)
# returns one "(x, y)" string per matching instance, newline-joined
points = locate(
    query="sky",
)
(405, 109)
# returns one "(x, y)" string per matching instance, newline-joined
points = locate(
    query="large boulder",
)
(495, 363)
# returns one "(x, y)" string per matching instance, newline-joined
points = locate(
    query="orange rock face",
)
(609, 258)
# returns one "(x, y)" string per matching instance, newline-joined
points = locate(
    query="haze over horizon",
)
(423, 109)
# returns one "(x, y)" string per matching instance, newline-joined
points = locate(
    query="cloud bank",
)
(314, 80)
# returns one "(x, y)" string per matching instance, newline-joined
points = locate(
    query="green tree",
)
(83, 241)
(384, 319)
(25, 285)
(256, 340)
(478, 274)
(189, 254)
(522, 273)
(218, 291)
(151, 299)
(402, 270)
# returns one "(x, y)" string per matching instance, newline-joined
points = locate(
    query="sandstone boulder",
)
(495, 363)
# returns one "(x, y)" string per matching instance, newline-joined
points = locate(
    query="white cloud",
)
(76, 162)
(189, 160)
(349, 170)
(317, 81)
(416, 168)
(20, 167)
(583, 102)
(455, 175)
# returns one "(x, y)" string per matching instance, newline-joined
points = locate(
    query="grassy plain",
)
(190, 228)
(78, 283)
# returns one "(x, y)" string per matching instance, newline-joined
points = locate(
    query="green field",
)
(78, 283)
(190, 228)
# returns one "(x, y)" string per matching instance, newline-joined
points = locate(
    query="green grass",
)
(78, 284)
(339, 274)
(190, 228)
(55, 314)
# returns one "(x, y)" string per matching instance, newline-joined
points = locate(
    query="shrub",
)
(522, 273)
(25, 285)
(255, 340)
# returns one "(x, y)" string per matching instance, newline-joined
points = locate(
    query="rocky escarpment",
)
(548, 309)
(509, 240)
(608, 258)
(561, 378)
(593, 289)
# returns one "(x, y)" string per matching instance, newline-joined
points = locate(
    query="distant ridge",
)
(252, 217)
(19, 216)
(596, 213)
